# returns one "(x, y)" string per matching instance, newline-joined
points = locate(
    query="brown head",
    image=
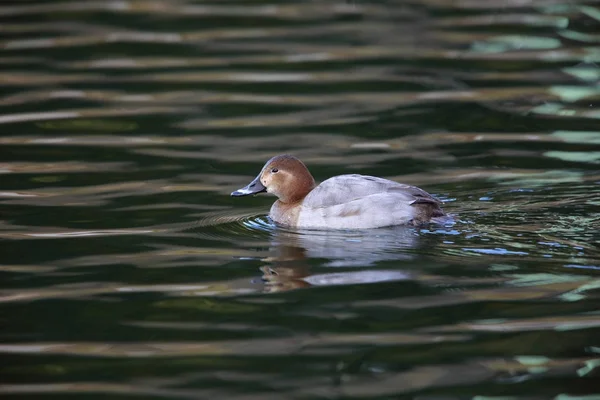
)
(284, 176)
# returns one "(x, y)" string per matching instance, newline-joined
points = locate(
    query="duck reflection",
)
(293, 253)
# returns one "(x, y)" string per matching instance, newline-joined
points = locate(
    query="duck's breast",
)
(285, 214)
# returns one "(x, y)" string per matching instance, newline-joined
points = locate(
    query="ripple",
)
(233, 225)
(261, 224)
(248, 219)
(497, 251)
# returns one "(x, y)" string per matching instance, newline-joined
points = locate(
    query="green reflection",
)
(89, 125)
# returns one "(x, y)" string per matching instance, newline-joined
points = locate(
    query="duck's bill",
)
(253, 188)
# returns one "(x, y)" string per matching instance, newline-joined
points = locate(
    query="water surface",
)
(128, 271)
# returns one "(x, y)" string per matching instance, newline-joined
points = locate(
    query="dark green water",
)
(127, 271)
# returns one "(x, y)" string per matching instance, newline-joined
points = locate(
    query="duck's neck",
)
(303, 186)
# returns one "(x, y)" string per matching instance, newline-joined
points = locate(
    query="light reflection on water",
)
(128, 270)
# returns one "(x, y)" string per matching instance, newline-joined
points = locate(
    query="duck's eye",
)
(274, 170)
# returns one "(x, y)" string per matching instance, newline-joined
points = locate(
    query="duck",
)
(349, 202)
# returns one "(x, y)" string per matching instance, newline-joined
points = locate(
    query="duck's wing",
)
(346, 188)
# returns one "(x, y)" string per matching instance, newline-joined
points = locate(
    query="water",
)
(128, 271)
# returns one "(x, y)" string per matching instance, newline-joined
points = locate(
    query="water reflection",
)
(345, 248)
(292, 252)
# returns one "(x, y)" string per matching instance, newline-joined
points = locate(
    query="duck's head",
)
(284, 176)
